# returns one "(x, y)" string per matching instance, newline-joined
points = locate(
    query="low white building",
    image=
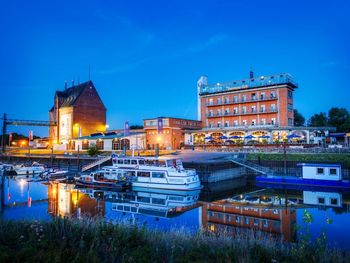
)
(110, 141)
(262, 134)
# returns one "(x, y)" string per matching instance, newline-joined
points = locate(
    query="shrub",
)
(93, 150)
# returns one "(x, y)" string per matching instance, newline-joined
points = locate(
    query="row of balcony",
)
(225, 102)
(227, 114)
(262, 126)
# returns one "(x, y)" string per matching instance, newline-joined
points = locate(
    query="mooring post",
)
(2, 194)
(3, 140)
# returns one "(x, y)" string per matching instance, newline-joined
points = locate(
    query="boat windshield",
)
(159, 163)
(176, 163)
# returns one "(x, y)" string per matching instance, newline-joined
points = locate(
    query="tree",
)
(93, 150)
(318, 120)
(339, 118)
(299, 119)
(136, 127)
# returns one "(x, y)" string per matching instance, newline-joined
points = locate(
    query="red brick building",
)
(263, 101)
(78, 111)
(171, 136)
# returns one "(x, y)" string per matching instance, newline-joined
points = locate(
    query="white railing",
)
(95, 163)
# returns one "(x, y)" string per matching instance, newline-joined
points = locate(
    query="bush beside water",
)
(71, 240)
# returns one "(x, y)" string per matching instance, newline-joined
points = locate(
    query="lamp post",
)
(51, 155)
(284, 158)
(78, 159)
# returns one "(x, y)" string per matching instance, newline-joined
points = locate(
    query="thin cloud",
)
(125, 67)
(203, 46)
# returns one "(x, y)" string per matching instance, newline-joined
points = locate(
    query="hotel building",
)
(263, 101)
(252, 109)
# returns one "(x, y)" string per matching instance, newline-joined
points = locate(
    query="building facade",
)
(263, 101)
(170, 135)
(78, 111)
(253, 110)
(110, 141)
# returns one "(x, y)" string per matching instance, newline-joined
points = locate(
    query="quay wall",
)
(72, 163)
(208, 171)
(216, 171)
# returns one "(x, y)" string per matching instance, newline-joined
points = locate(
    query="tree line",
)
(336, 117)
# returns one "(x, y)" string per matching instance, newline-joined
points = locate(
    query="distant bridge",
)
(17, 122)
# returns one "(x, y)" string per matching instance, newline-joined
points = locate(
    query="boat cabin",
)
(321, 171)
(151, 161)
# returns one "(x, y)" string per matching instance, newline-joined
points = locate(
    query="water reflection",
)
(66, 200)
(236, 208)
(235, 217)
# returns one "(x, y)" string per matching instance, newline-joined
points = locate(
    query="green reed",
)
(91, 240)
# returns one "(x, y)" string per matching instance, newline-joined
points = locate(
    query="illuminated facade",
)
(263, 101)
(78, 111)
(253, 110)
(110, 141)
(171, 135)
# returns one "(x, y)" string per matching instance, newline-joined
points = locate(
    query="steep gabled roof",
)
(71, 94)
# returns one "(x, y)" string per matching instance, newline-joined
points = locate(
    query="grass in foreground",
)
(63, 240)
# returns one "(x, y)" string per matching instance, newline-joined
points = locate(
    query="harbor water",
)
(236, 207)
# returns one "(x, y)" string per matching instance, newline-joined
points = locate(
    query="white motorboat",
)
(152, 172)
(35, 168)
(6, 167)
(54, 173)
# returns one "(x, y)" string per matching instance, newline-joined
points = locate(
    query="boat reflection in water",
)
(329, 199)
(260, 216)
(67, 201)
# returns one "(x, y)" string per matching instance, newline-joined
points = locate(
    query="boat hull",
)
(179, 187)
(28, 172)
(119, 186)
(297, 181)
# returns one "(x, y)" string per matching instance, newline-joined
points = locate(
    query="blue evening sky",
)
(146, 56)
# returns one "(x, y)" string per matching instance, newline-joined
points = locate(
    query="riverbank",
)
(66, 240)
(343, 158)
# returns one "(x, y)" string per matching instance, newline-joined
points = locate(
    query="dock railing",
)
(241, 160)
(95, 163)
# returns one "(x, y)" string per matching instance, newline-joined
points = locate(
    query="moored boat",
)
(154, 172)
(97, 180)
(313, 175)
(35, 168)
(54, 173)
